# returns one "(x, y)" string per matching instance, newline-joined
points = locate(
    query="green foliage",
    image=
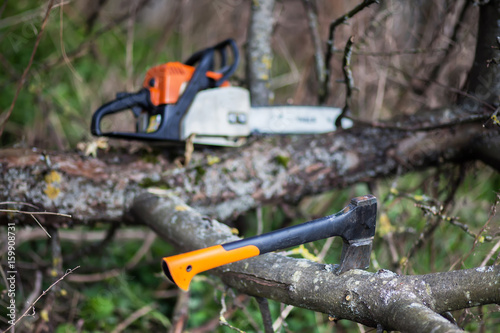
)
(62, 90)
(98, 307)
(108, 303)
(66, 328)
(56, 104)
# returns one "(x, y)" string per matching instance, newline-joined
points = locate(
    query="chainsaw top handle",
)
(220, 48)
(156, 97)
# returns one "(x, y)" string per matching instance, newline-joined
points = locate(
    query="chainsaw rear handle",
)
(124, 101)
(355, 224)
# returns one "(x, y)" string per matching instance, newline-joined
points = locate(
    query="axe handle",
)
(181, 268)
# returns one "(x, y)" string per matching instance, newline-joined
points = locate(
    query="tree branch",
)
(484, 77)
(348, 80)
(312, 20)
(330, 47)
(368, 298)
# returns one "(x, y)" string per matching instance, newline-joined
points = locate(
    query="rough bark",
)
(404, 303)
(484, 76)
(272, 169)
(259, 54)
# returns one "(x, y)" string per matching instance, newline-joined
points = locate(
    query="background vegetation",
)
(432, 221)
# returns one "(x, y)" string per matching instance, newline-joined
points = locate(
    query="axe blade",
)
(358, 240)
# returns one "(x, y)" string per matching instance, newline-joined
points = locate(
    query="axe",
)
(355, 224)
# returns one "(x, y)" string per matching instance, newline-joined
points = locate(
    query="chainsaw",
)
(194, 98)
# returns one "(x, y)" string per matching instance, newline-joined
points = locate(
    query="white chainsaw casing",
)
(218, 116)
(224, 117)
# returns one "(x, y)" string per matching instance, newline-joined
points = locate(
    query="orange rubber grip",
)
(183, 267)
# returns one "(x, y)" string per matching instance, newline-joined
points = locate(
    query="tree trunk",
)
(259, 56)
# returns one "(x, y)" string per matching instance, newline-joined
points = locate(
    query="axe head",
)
(358, 234)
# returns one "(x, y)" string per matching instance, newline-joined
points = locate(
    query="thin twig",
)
(292, 76)
(395, 257)
(129, 46)
(493, 118)
(96, 247)
(346, 68)
(436, 209)
(438, 212)
(260, 220)
(32, 214)
(319, 61)
(18, 203)
(212, 324)
(189, 149)
(181, 313)
(393, 53)
(422, 238)
(455, 183)
(93, 15)
(494, 249)
(26, 70)
(82, 49)
(4, 277)
(348, 80)
(63, 49)
(493, 212)
(458, 121)
(36, 290)
(324, 250)
(279, 322)
(40, 225)
(266, 314)
(28, 15)
(56, 270)
(451, 44)
(95, 277)
(15, 211)
(444, 86)
(146, 245)
(26, 235)
(4, 4)
(69, 271)
(133, 317)
(330, 47)
(222, 319)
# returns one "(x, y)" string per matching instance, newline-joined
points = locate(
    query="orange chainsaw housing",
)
(167, 82)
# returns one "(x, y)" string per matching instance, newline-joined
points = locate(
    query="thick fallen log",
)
(224, 183)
